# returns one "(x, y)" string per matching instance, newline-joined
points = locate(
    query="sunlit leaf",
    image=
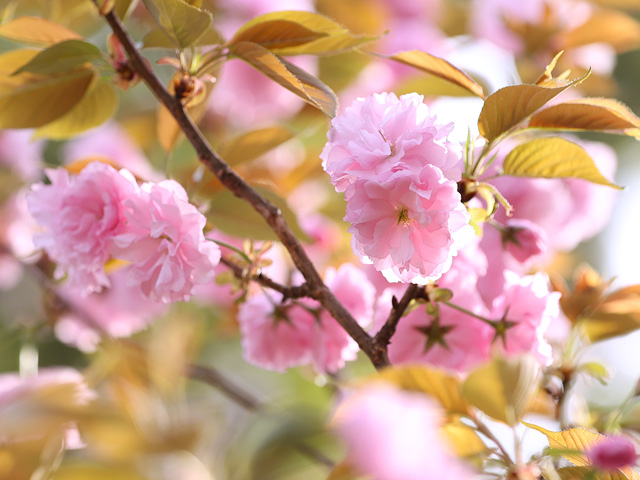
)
(343, 471)
(440, 68)
(579, 439)
(291, 77)
(181, 21)
(595, 114)
(553, 157)
(276, 33)
(61, 57)
(614, 315)
(509, 106)
(334, 37)
(94, 471)
(36, 31)
(123, 7)
(157, 38)
(251, 145)
(463, 439)
(96, 107)
(503, 388)
(237, 217)
(444, 388)
(33, 101)
(612, 27)
(582, 473)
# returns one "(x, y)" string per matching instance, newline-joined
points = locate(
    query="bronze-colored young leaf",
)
(581, 473)
(444, 388)
(333, 39)
(31, 101)
(96, 107)
(251, 145)
(36, 31)
(237, 217)
(615, 28)
(182, 22)
(277, 33)
(291, 77)
(503, 388)
(440, 68)
(61, 57)
(553, 157)
(614, 315)
(95, 471)
(595, 114)
(509, 106)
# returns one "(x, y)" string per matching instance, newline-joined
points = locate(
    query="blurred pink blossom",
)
(119, 311)
(20, 153)
(393, 434)
(164, 240)
(612, 453)
(525, 310)
(278, 336)
(80, 216)
(450, 339)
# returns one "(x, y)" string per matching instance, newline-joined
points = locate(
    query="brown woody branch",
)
(231, 180)
(383, 337)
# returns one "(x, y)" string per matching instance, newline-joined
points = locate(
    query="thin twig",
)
(502, 452)
(232, 181)
(296, 291)
(389, 328)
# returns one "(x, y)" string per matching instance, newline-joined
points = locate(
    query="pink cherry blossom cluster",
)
(278, 335)
(103, 214)
(398, 172)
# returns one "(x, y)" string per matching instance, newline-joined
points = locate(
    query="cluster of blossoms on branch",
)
(103, 214)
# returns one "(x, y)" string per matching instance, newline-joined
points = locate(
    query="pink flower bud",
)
(612, 453)
(524, 239)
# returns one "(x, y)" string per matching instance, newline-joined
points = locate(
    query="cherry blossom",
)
(392, 434)
(612, 453)
(80, 216)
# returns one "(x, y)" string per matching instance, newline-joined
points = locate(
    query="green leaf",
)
(30, 101)
(157, 38)
(333, 37)
(291, 77)
(277, 33)
(509, 106)
(436, 383)
(503, 388)
(251, 145)
(36, 31)
(594, 114)
(237, 217)
(94, 108)
(61, 57)
(553, 157)
(440, 68)
(182, 22)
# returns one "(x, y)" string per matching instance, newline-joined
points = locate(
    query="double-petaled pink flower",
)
(399, 173)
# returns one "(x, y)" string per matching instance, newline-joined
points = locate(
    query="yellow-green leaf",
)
(440, 68)
(277, 33)
(61, 57)
(582, 473)
(36, 31)
(595, 114)
(335, 38)
(509, 106)
(237, 217)
(503, 388)
(344, 471)
(578, 439)
(553, 157)
(291, 77)
(31, 101)
(612, 27)
(251, 145)
(444, 388)
(94, 108)
(94, 471)
(157, 38)
(182, 22)
(464, 440)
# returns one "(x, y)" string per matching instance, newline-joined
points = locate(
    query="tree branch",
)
(232, 181)
(383, 337)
